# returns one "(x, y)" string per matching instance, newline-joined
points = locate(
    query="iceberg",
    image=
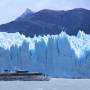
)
(56, 55)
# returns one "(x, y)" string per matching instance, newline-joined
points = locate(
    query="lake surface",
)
(53, 84)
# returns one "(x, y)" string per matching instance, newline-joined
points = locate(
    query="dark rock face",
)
(50, 22)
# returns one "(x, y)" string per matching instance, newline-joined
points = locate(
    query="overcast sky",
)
(11, 9)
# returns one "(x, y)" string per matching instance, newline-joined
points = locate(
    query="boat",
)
(23, 76)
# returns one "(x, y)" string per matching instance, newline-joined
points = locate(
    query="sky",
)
(11, 9)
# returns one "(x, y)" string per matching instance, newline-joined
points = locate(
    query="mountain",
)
(27, 13)
(47, 21)
(56, 55)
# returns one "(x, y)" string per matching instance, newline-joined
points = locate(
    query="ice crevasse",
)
(56, 55)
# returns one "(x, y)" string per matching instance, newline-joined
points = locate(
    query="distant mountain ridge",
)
(47, 21)
(27, 13)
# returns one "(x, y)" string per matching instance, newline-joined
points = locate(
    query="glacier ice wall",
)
(57, 55)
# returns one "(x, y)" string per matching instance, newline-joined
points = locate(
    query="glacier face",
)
(57, 55)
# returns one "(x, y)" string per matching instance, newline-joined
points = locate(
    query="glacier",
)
(59, 55)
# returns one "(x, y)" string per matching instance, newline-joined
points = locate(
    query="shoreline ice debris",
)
(56, 55)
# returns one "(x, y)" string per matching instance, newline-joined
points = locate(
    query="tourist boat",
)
(23, 75)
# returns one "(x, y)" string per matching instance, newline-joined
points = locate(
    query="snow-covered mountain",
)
(57, 55)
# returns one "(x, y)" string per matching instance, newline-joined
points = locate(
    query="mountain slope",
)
(27, 13)
(50, 22)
